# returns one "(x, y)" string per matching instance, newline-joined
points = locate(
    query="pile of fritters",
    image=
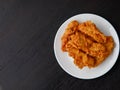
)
(86, 44)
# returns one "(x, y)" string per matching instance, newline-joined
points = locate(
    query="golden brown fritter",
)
(80, 58)
(86, 44)
(91, 30)
(72, 26)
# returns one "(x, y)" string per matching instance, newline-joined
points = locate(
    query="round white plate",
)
(66, 62)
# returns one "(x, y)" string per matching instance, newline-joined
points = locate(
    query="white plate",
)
(66, 62)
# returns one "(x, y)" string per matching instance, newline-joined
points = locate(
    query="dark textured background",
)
(27, 31)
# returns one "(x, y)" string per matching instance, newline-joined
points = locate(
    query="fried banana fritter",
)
(80, 58)
(69, 31)
(86, 44)
(91, 30)
(109, 47)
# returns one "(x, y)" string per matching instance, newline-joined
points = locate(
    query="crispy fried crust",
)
(72, 26)
(88, 46)
(80, 58)
(87, 50)
(91, 30)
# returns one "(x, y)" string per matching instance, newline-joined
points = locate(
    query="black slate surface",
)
(27, 31)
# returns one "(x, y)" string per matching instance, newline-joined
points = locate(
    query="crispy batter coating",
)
(72, 26)
(84, 46)
(88, 46)
(91, 30)
(80, 58)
